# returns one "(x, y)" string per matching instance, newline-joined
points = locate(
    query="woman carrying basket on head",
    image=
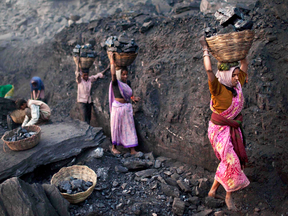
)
(123, 130)
(225, 131)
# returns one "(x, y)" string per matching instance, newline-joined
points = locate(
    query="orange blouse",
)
(220, 95)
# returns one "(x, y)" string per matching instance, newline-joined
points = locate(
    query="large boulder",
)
(19, 198)
(211, 6)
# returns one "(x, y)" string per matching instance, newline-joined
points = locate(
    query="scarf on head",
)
(225, 78)
(118, 74)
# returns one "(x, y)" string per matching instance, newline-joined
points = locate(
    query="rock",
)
(149, 156)
(228, 15)
(115, 183)
(157, 164)
(178, 206)
(146, 173)
(74, 18)
(180, 170)
(171, 181)
(57, 18)
(77, 183)
(146, 26)
(136, 208)
(180, 8)
(139, 155)
(56, 199)
(30, 200)
(257, 210)
(170, 190)
(133, 164)
(210, 6)
(102, 173)
(183, 186)
(204, 213)
(162, 159)
(175, 176)
(121, 169)
(219, 213)
(70, 23)
(20, 23)
(60, 141)
(8, 36)
(211, 202)
(203, 184)
(168, 173)
(194, 200)
(97, 153)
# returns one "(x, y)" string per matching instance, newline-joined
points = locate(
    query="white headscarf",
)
(118, 74)
(225, 77)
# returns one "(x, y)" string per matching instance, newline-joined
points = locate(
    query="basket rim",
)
(19, 141)
(231, 33)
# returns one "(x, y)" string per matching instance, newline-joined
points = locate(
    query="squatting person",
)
(37, 89)
(35, 111)
(84, 99)
(225, 131)
(123, 130)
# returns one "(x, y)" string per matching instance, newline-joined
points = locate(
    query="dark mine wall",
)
(168, 74)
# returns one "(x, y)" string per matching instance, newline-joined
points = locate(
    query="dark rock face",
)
(29, 200)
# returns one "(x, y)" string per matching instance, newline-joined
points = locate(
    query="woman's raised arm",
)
(244, 65)
(206, 58)
(112, 66)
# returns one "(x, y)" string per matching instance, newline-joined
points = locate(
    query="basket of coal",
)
(124, 49)
(232, 39)
(75, 183)
(86, 55)
(21, 139)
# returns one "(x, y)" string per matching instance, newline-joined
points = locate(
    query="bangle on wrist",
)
(205, 55)
(205, 49)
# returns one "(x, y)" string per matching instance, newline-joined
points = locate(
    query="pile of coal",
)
(121, 44)
(74, 186)
(20, 134)
(231, 19)
(86, 51)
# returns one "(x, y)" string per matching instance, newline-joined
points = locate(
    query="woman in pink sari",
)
(122, 123)
(225, 131)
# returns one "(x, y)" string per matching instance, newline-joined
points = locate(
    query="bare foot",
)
(230, 204)
(133, 151)
(114, 150)
(214, 195)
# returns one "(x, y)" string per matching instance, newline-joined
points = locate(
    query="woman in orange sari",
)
(225, 131)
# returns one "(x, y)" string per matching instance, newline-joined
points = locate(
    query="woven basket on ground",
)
(124, 59)
(231, 47)
(79, 172)
(24, 144)
(85, 63)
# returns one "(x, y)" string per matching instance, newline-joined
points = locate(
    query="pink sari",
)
(229, 173)
(123, 130)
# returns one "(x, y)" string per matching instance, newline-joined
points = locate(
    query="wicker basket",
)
(79, 172)
(85, 63)
(231, 47)
(26, 143)
(124, 59)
